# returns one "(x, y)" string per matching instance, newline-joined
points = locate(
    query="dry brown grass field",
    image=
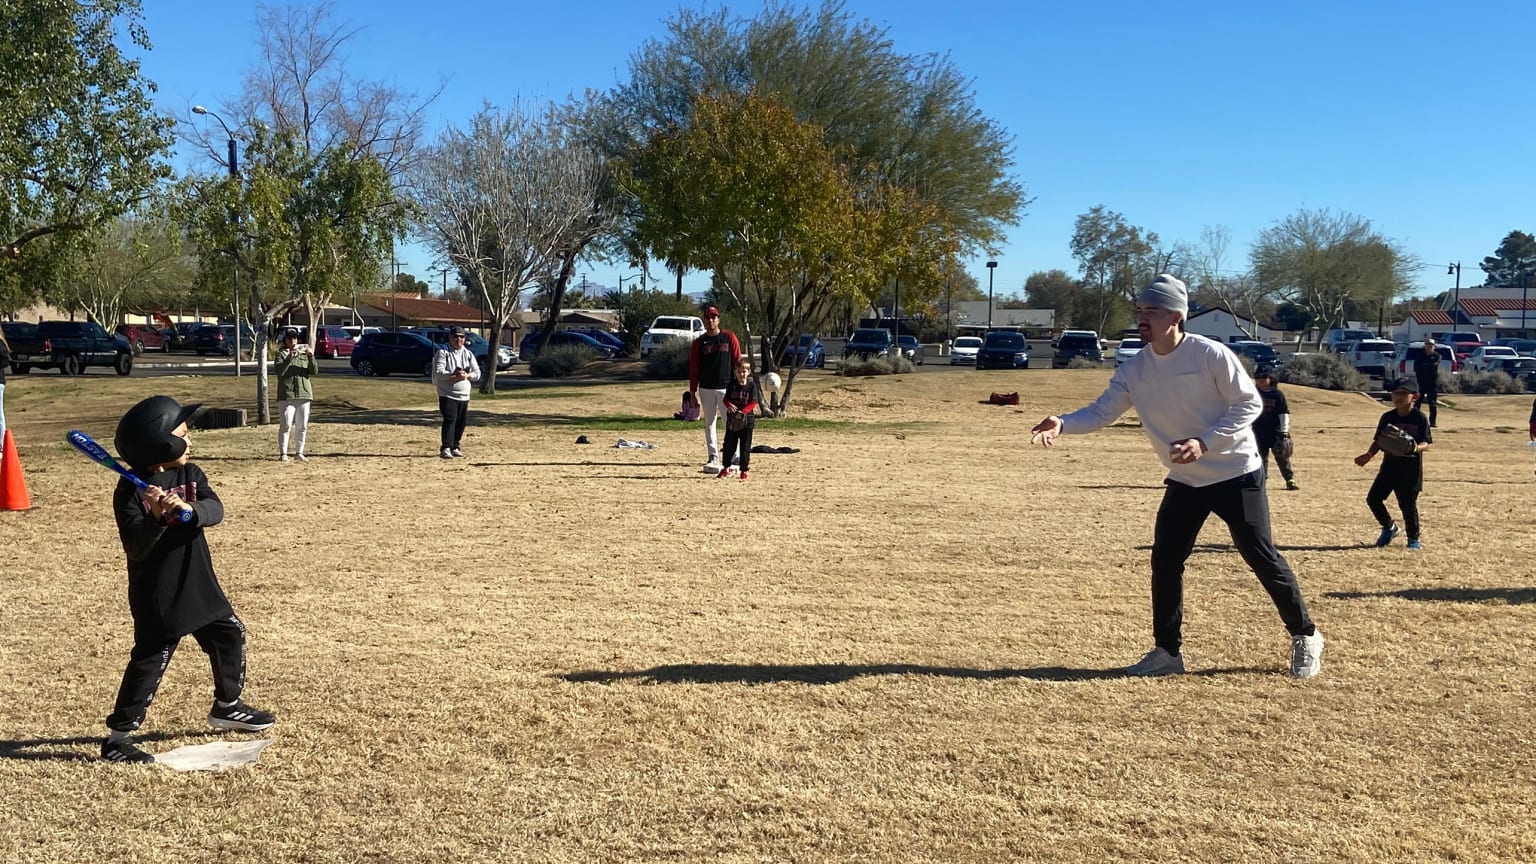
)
(895, 645)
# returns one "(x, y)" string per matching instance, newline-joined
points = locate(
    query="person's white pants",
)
(710, 403)
(294, 415)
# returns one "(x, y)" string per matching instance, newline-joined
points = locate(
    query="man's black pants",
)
(1429, 391)
(224, 643)
(455, 414)
(1403, 478)
(1241, 503)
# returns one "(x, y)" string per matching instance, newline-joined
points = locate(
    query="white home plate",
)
(213, 757)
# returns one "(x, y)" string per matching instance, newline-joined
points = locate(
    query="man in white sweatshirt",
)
(1197, 406)
(453, 370)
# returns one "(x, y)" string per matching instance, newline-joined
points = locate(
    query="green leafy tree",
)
(319, 210)
(893, 121)
(132, 264)
(1512, 262)
(80, 140)
(295, 229)
(407, 283)
(1332, 265)
(758, 199)
(1056, 289)
(1115, 259)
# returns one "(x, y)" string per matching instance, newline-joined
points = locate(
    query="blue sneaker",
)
(1387, 534)
(1415, 544)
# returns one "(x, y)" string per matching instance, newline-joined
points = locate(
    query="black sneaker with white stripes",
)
(246, 718)
(124, 750)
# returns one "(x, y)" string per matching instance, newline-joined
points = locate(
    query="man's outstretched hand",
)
(1045, 431)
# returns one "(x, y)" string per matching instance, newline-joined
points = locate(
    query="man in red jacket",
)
(710, 363)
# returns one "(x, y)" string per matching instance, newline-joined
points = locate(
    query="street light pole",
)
(991, 268)
(1456, 268)
(234, 174)
(394, 289)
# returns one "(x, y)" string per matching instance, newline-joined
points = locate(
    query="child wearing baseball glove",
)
(172, 589)
(1273, 428)
(1402, 435)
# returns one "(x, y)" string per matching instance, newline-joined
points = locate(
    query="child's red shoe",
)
(724, 472)
(743, 475)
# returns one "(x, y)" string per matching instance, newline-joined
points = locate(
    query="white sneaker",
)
(300, 457)
(711, 467)
(1307, 655)
(1157, 663)
(283, 458)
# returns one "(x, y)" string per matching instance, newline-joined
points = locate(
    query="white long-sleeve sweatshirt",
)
(447, 361)
(1197, 390)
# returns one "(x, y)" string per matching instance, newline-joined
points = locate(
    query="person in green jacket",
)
(295, 364)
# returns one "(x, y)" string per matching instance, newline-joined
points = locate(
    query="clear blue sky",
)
(1413, 114)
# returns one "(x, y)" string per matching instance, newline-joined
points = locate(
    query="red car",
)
(332, 341)
(143, 336)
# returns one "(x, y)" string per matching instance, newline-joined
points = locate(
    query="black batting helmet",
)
(144, 434)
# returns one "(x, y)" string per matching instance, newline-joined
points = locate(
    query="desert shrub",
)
(1485, 382)
(1082, 363)
(669, 360)
(561, 360)
(1325, 371)
(853, 366)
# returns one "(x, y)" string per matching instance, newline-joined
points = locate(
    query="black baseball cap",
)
(1402, 383)
(456, 331)
(1265, 372)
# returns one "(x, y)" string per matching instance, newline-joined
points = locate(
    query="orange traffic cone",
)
(13, 487)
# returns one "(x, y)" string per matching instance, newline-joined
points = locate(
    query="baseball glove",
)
(1285, 448)
(1395, 442)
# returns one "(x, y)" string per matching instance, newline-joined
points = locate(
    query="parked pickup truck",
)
(20, 337)
(70, 347)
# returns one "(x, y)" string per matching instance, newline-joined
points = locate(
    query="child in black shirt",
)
(1273, 426)
(1402, 476)
(740, 403)
(172, 589)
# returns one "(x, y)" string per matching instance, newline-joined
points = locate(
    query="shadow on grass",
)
(313, 456)
(1228, 547)
(1511, 596)
(33, 749)
(839, 673)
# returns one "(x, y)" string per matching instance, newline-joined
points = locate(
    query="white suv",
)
(668, 327)
(1372, 356)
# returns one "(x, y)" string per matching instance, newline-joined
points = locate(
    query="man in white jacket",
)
(1197, 406)
(453, 370)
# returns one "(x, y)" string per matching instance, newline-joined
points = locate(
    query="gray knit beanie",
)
(1165, 292)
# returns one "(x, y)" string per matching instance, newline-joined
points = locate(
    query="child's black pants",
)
(224, 643)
